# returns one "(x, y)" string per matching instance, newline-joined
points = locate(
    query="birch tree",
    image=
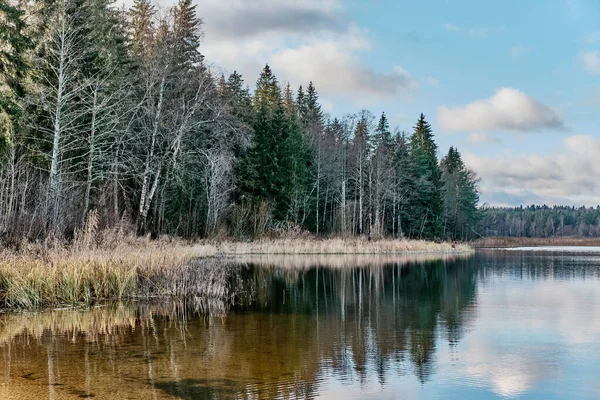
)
(60, 91)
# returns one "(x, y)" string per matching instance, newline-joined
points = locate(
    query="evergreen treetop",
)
(267, 94)
(423, 137)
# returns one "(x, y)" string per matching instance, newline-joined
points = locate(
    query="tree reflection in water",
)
(283, 327)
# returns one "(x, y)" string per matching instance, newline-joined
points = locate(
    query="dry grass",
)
(533, 242)
(115, 266)
(37, 276)
(337, 246)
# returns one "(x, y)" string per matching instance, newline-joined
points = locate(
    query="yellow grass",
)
(91, 270)
(36, 277)
(337, 246)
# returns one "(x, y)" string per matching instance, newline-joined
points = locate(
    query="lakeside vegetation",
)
(115, 128)
(117, 112)
(116, 265)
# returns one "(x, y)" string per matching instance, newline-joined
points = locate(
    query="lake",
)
(496, 324)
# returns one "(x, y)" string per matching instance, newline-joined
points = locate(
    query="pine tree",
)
(293, 170)
(241, 101)
(313, 113)
(301, 103)
(289, 104)
(359, 165)
(423, 138)
(13, 67)
(382, 177)
(142, 27)
(383, 135)
(461, 197)
(186, 35)
(404, 186)
(428, 206)
(267, 94)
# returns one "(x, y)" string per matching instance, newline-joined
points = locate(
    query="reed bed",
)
(338, 246)
(37, 277)
(97, 268)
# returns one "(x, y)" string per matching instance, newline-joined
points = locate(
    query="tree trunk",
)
(88, 183)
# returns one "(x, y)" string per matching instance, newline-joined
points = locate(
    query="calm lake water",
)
(497, 324)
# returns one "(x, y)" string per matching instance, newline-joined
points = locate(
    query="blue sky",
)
(515, 85)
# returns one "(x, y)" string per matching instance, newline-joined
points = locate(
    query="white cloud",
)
(451, 27)
(477, 138)
(591, 61)
(433, 82)
(335, 71)
(519, 362)
(303, 40)
(508, 109)
(518, 50)
(571, 176)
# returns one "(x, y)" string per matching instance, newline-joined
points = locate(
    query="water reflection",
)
(297, 328)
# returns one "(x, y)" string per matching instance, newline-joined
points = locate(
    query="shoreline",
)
(511, 242)
(83, 274)
(336, 246)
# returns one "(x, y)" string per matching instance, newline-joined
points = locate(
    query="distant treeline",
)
(540, 221)
(117, 112)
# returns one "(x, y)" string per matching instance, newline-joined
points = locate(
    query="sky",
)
(514, 85)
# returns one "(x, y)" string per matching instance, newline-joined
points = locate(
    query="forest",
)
(116, 114)
(540, 221)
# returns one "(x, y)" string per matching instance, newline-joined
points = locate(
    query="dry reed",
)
(337, 246)
(115, 265)
(40, 276)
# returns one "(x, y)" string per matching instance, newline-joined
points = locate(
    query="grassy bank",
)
(534, 242)
(88, 271)
(38, 276)
(336, 246)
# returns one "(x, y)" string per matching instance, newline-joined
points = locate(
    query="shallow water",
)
(495, 325)
(563, 249)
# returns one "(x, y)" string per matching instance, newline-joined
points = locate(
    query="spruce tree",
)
(267, 94)
(427, 208)
(13, 67)
(383, 135)
(186, 35)
(142, 27)
(301, 103)
(461, 197)
(289, 104)
(404, 186)
(359, 166)
(312, 108)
